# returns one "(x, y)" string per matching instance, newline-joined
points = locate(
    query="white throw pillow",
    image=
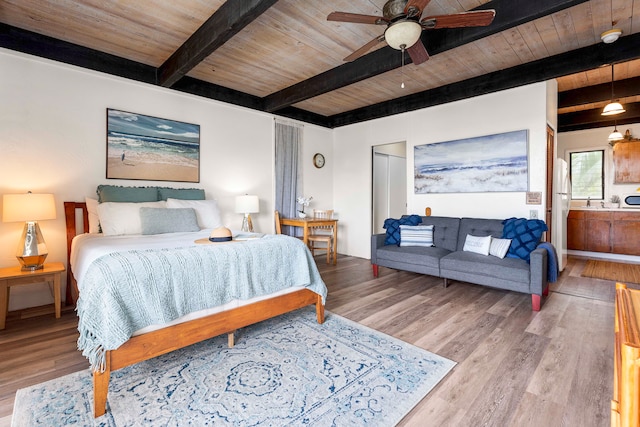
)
(499, 247)
(207, 211)
(416, 235)
(94, 219)
(123, 218)
(479, 245)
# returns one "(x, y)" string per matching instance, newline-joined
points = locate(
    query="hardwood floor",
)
(515, 367)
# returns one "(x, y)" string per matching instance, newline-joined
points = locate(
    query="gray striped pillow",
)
(416, 235)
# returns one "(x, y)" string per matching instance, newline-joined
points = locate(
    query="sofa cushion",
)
(445, 231)
(525, 234)
(392, 226)
(427, 256)
(478, 227)
(416, 235)
(512, 269)
(477, 244)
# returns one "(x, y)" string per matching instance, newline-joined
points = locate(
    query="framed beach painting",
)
(474, 165)
(149, 148)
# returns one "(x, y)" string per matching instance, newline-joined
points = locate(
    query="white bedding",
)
(87, 247)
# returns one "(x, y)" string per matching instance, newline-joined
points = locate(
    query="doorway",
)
(389, 192)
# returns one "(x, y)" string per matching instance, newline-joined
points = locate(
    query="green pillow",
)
(165, 193)
(163, 220)
(114, 193)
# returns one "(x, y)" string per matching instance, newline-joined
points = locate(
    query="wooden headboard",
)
(70, 209)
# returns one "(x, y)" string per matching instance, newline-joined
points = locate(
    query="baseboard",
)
(605, 255)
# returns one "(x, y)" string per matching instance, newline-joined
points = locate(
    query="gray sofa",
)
(447, 259)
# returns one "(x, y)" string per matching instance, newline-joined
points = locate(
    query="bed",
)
(99, 265)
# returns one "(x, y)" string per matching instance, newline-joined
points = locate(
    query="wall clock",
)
(318, 160)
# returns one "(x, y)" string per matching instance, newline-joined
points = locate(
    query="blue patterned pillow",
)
(525, 234)
(393, 228)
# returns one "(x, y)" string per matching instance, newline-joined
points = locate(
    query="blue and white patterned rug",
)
(285, 371)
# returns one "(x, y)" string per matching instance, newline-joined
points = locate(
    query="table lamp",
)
(29, 208)
(247, 205)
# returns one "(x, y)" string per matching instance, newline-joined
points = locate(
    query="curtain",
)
(288, 146)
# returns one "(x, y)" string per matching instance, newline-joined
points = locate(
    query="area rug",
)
(285, 371)
(616, 271)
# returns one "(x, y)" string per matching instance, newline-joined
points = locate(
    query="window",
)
(586, 170)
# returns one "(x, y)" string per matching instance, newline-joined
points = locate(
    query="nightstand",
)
(14, 276)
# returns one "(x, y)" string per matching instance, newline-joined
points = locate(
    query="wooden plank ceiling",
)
(283, 56)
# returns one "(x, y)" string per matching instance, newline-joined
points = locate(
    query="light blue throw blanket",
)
(123, 292)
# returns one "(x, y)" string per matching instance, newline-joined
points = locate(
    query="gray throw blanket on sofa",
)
(123, 292)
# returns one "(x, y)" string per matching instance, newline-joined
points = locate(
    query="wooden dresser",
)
(625, 405)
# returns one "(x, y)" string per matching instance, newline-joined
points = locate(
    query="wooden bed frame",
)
(152, 344)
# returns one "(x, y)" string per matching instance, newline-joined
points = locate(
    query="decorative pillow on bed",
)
(123, 218)
(165, 193)
(393, 228)
(114, 193)
(416, 235)
(207, 211)
(477, 244)
(499, 247)
(163, 220)
(94, 219)
(525, 235)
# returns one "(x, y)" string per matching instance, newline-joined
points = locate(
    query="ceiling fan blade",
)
(476, 18)
(356, 18)
(364, 49)
(418, 53)
(415, 7)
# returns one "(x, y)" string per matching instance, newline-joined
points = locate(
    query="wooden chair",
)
(278, 223)
(322, 235)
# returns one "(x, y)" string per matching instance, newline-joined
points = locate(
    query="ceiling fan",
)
(404, 26)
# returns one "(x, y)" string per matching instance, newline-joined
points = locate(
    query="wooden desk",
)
(14, 276)
(308, 223)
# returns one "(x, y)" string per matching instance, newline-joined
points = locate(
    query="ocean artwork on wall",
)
(481, 164)
(149, 148)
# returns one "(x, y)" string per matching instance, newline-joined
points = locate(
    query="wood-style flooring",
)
(515, 367)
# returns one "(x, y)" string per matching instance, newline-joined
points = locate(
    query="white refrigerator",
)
(560, 210)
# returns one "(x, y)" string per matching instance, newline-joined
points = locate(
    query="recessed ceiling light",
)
(611, 35)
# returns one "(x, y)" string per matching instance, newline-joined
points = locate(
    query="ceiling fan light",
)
(613, 108)
(615, 135)
(611, 35)
(402, 34)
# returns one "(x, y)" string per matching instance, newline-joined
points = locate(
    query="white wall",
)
(520, 108)
(53, 139)
(591, 139)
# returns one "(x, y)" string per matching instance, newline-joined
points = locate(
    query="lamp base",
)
(32, 250)
(247, 224)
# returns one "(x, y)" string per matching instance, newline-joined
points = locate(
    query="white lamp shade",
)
(615, 136)
(247, 204)
(613, 108)
(402, 33)
(28, 207)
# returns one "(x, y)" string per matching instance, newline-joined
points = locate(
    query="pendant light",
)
(615, 136)
(612, 108)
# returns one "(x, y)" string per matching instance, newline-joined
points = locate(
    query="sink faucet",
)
(602, 205)
(588, 202)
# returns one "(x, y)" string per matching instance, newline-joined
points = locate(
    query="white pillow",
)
(499, 247)
(123, 218)
(479, 245)
(94, 219)
(207, 211)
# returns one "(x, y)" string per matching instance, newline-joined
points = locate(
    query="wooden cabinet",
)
(604, 231)
(626, 233)
(576, 231)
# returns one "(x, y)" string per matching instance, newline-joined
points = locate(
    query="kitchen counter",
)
(612, 230)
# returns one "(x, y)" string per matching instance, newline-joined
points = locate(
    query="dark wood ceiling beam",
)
(589, 119)
(226, 22)
(58, 50)
(510, 13)
(598, 93)
(586, 58)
